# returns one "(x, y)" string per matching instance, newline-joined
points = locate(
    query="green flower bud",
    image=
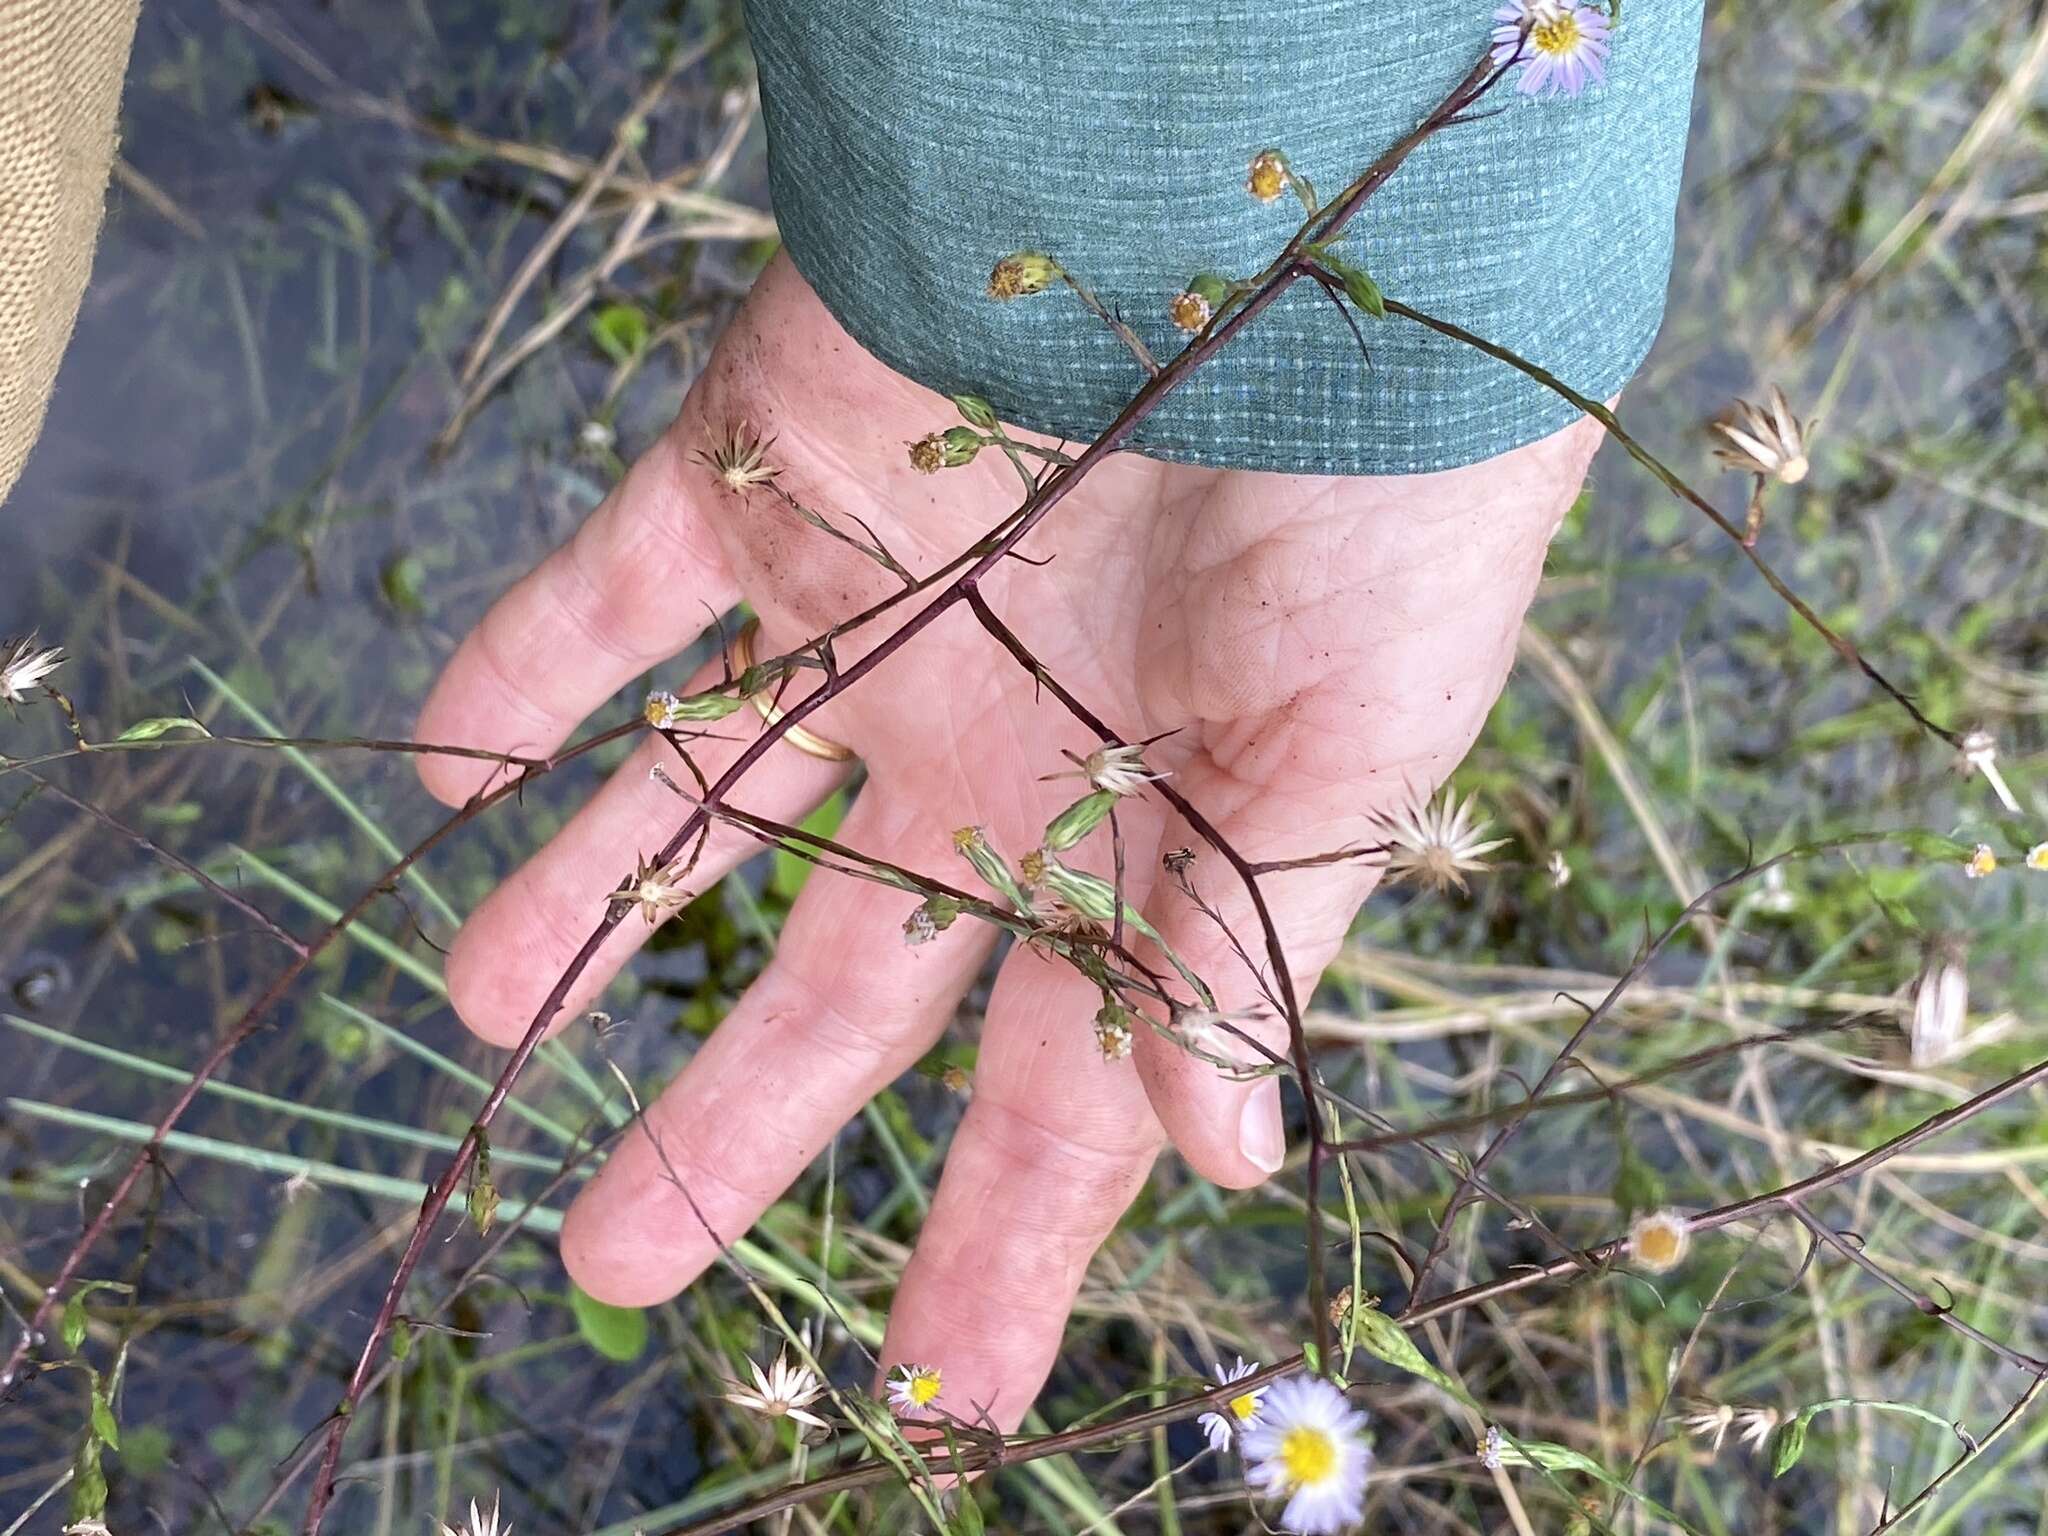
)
(1078, 820)
(971, 843)
(1212, 286)
(1022, 273)
(664, 711)
(976, 411)
(1089, 895)
(1790, 1447)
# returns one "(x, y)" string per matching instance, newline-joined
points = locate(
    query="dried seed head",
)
(1439, 843)
(1022, 273)
(1764, 440)
(1190, 311)
(655, 890)
(1658, 1241)
(1490, 1446)
(1178, 861)
(25, 667)
(739, 458)
(945, 450)
(1941, 1006)
(1113, 1032)
(1268, 176)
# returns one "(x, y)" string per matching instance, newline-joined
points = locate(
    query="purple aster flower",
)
(1566, 46)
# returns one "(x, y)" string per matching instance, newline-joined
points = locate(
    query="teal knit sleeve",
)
(913, 142)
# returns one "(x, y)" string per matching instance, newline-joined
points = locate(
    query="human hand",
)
(1322, 651)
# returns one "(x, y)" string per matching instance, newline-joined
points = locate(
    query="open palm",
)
(1321, 651)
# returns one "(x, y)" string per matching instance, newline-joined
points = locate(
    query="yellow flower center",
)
(1245, 1406)
(1659, 1242)
(1556, 35)
(924, 1386)
(1309, 1455)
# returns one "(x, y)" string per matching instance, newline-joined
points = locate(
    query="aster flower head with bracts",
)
(914, 1389)
(783, 1391)
(1565, 48)
(1308, 1447)
(1239, 1413)
(739, 457)
(479, 1524)
(657, 890)
(1118, 770)
(25, 667)
(1438, 844)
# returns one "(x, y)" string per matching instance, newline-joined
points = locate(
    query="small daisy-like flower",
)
(1983, 861)
(1755, 1426)
(663, 710)
(26, 666)
(1113, 1032)
(1766, 440)
(1190, 311)
(783, 1391)
(1490, 1446)
(740, 459)
(1268, 176)
(1711, 1422)
(1239, 1413)
(596, 436)
(1565, 50)
(1308, 1447)
(479, 1523)
(2037, 857)
(1941, 1004)
(1437, 845)
(914, 1389)
(1560, 871)
(1657, 1242)
(957, 1081)
(1021, 274)
(1979, 754)
(1119, 771)
(655, 889)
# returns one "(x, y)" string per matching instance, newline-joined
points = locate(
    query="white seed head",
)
(1765, 440)
(1438, 843)
(25, 667)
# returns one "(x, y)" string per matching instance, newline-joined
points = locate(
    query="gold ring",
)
(808, 742)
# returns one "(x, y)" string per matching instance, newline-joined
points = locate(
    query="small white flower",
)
(1118, 770)
(1979, 754)
(597, 436)
(2037, 857)
(1757, 1425)
(1658, 1241)
(1240, 1412)
(740, 459)
(1941, 1005)
(1436, 844)
(1560, 871)
(914, 1389)
(1777, 896)
(1308, 1447)
(26, 666)
(1983, 860)
(1491, 1444)
(783, 1391)
(1769, 442)
(479, 1524)
(1713, 1422)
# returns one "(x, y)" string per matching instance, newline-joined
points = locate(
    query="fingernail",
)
(1259, 1134)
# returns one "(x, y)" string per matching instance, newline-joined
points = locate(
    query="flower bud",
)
(1078, 820)
(1022, 273)
(1089, 895)
(971, 843)
(664, 711)
(1790, 1447)
(976, 411)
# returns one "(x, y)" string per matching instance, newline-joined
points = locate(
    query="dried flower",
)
(26, 666)
(1190, 311)
(1113, 1031)
(479, 1523)
(1239, 1412)
(914, 1389)
(1178, 861)
(1340, 1309)
(655, 889)
(1022, 273)
(740, 459)
(1764, 440)
(1755, 1426)
(1268, 177)
(1658, 1241)
(1438, 844)
(1979, 754)
(1118, 770)
(1941, 1006)
(1309, 1448)
(2037, 857)
(1565, 48)
(945, 450)
(1983, 861)
(664, 711)
(783, 1391)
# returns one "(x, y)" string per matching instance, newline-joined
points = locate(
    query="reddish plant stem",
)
(1280, 276)
(251, 1020)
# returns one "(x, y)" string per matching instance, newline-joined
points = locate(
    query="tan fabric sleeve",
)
(61, 64)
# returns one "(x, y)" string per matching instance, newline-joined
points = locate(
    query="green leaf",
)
(617, 1333)
(792, 870)
(620, 331)
(159, 725)
(103, 1423)
(1364, 292)
(74, 1323)
(1790, 1447)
